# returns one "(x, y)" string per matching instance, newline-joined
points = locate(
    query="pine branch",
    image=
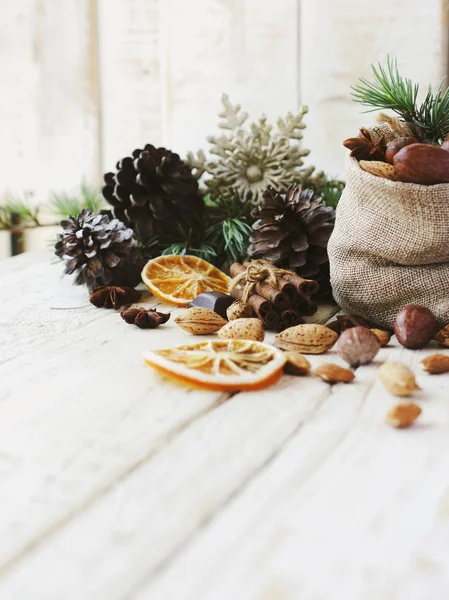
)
(65, 204)
(389, 90)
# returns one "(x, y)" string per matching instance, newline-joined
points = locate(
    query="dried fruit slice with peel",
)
(223, 365)
(180, 279)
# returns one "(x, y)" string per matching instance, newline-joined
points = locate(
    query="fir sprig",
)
(65, 204)
(389, 90)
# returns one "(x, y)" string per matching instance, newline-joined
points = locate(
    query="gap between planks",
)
(44, 536)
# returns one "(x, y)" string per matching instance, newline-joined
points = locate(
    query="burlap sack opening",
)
(390, 247)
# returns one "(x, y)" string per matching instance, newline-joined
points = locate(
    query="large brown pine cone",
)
(292, 231)
(155, 193)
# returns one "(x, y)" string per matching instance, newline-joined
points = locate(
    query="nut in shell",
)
(436, 364)
(307, 339)
(334, 373)
(403, 415)
(239, 310)
(415, 326)
(383, 336)
(358, 346)
(296, 364)
(398, 379)
(443, 336)
(243, 329)
(200, 321)
(379, 168)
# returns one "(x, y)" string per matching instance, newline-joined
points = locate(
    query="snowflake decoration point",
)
(248, 159)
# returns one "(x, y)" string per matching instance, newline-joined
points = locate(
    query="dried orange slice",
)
(224, 365)
(179, 279)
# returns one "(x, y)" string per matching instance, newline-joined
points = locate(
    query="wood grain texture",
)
(130, 55)
(54, 461)
(340, 40)
(49, 102)
(117, 484)
(245, 48)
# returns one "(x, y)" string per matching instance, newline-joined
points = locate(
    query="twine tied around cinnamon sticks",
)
(279, 297)
(256, 271)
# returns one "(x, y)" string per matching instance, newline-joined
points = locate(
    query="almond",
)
(296, 364)
(403, 415)
(398, 379)
(378, 168)
(308, 339)
(200, 321)
(436, 363)
(243, 329)
(334, 373)
(443, 336)
(239, 310)
(383, 336)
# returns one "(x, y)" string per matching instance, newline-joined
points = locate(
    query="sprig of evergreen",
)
(389, 90)
(65, 204)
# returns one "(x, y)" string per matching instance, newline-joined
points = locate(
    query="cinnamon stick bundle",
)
(267, 291)
(279, 299)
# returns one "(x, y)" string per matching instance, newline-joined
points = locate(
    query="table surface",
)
(116, 484)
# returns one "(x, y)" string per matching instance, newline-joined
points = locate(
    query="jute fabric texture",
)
(390, 247)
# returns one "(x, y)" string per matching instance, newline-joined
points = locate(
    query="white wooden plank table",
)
(118, 485)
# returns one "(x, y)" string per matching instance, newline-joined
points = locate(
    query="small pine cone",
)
(99, 250)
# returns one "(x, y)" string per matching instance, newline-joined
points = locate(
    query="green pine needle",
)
(389, 90)
(65, 205)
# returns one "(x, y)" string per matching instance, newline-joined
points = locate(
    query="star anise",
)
(365, 146)
(112, 296)
(144, 318)
(344, 322)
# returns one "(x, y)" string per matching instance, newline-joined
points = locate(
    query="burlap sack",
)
(390, 247)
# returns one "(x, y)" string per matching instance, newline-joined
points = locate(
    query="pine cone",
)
(101, 250)
(291, 231)
(155, 193)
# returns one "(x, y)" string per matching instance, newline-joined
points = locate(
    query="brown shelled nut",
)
(436, 363)
(334, 373)
(394, 146)
(398, 379)
(424, 164)
(383, 336)
(239, 310)
(243, 329)
(402, 415)
(296, 364)
(358, 346)
(308, 339)
(415, 326)
(200, 321)
(443, 336)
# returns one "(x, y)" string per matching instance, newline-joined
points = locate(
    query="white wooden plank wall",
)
(86, 81)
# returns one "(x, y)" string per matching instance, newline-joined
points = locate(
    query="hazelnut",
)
(358, 346)
(394, 146)
(415, 326)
